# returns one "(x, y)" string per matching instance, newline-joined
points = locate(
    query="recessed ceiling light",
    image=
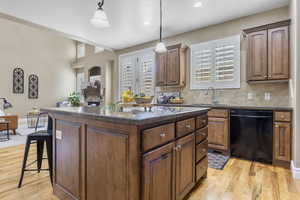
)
(198, 4)
(146, 23)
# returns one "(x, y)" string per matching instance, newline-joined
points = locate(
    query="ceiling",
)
(127, 17)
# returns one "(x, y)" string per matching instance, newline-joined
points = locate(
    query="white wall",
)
(38, 52)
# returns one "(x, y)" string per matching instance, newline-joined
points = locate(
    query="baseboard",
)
(295, 171)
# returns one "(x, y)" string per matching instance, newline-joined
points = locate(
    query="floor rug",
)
(217, 160)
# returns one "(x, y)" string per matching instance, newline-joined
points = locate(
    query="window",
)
(79, 82)
(80, 50)
(216, 64)
(137, 72)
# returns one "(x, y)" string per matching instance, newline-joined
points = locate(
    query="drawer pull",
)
(188, 126)
(203, 150)
(277, 126)
(203, 134)
(162, 135)
(282, 116)
(204, 121)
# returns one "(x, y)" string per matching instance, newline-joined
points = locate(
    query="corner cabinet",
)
(282, 138)
(268, 52)
(170, 67)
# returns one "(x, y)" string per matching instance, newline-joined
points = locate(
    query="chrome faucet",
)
(214, 96)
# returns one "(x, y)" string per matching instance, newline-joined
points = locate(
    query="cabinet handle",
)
(203, 134)
(162, 135)
(179, 147)
(277, 126)
(203, 150)
(188, 126)
(282, 116)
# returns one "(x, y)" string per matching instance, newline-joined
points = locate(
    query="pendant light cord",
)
(160, 38)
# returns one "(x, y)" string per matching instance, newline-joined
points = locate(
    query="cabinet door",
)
(158, 174)
(161, 65)
(185, 166)
(278, 53)
(218, 133)
(67, 163)
(257, 56)
(282, 141)
(173, 66)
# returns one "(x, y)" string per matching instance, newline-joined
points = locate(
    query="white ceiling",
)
(127, 17)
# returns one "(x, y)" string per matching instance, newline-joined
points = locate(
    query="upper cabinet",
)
(170, 67)
(268, 52)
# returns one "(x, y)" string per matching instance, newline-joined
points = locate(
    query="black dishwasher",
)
(251, 135)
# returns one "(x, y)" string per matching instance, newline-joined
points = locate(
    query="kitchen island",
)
(102, 154)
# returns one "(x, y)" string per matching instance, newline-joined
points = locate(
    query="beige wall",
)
(279, 92)
(105, 60)
(38, 52)
(295, 81)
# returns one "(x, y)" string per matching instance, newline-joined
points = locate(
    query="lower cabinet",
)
(158, 174)
(218, 133)
(282, 141)
(185, 166)
(169, 172)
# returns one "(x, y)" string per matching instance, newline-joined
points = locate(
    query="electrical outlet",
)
(267, 96)
(250, 96)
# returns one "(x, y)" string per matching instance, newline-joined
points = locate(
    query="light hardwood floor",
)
(240, 180)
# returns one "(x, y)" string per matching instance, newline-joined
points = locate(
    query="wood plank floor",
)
(240, 180)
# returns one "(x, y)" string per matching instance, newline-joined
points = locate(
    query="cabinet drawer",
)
(201, 135)
(201, 150)
(201, 121)
(283, 116)
(159, 135)
(223, 113)
(186, 126)
(201, 168)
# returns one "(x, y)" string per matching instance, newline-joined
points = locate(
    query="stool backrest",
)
(49, 119)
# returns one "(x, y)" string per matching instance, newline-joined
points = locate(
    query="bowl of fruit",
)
(142, 98)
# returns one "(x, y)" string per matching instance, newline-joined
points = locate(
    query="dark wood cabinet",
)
(282, 141)
(257, 54)
(268, 52)
(218, 130)
(282, 138)
(278, 54)
(158, 169)
(185, 166)
(161, 67)
(170, 67)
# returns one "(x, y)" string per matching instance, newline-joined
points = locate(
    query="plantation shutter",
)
(147, 73)
(216, 64)
(202, 65)
(127, 73)
(137, 71)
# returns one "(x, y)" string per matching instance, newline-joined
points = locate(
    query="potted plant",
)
(74, 99)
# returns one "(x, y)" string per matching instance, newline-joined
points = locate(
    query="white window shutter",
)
(127, 73)
(216, 64)
(147, 73)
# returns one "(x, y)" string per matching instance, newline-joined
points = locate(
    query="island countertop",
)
(135, 116)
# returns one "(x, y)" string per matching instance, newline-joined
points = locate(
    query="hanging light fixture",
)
(160, 47)
(99, 19)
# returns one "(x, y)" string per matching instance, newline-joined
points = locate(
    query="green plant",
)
(74, 99)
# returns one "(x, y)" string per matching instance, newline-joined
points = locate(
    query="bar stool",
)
(40, 138)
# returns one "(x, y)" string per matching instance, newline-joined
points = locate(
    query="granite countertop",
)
(136, 116)
(229, 106)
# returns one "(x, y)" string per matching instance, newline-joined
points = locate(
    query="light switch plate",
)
(58, 135)
(267, 96)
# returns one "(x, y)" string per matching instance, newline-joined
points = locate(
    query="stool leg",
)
(40, 152)
(49, 155)
(27, 147)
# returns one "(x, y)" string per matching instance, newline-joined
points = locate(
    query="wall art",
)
(18, 81)
(33, 86)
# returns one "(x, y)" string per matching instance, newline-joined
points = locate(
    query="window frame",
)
(137, 54)
(233, 84)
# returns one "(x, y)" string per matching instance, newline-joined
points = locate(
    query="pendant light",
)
(160, 47)
(99, 19)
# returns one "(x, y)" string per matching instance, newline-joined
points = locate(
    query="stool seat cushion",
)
(43, 133)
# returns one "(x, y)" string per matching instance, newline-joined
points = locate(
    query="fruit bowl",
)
(143, 100)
